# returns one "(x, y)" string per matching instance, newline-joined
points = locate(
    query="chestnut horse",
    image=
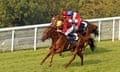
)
(60, 43)
(90, 29)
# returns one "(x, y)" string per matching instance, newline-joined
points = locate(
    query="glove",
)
(75, 21)
(70, 21)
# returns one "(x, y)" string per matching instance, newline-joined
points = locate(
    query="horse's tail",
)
(91, 44)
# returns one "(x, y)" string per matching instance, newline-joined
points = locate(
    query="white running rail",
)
(98, 20)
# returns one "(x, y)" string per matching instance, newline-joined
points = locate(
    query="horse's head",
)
(56, 18)
(93, 28)
(48, 33)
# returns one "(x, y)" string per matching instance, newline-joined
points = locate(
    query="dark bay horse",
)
(60, 44)
(90, 29)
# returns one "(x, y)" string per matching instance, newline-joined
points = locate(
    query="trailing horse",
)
(90, 29)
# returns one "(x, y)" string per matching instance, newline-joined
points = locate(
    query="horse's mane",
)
(54, 31)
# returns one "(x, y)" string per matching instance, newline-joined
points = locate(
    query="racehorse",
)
(60, 43)
(90, 29)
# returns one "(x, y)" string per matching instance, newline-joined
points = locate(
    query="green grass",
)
(106, 58)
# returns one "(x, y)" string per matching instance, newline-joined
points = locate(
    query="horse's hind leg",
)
(80, 54)
(81, 57)
(91, 44)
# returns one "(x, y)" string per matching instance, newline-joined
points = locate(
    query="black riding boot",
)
(71, 38)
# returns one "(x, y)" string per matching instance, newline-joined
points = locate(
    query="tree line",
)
(28, 12)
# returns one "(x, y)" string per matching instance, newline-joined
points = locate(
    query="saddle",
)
(72, 37)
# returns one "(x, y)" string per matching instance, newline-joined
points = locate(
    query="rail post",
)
(35, 38)
(99, 30)
(119, 31)
(13, 38)
(113, 31)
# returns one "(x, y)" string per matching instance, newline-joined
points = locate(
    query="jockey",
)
(68, 27)
(64, 14)
(74, 19)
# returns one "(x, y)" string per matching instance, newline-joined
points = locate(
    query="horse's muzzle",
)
(43, 39)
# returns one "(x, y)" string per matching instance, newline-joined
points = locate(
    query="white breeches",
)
(69, 30)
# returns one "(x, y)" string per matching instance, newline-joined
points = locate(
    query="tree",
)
(25, 12)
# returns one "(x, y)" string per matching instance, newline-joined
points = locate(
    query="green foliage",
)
(24, 12)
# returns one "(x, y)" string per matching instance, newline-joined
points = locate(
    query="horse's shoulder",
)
(62, 35)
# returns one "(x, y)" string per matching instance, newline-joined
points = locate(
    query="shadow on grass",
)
(89, 62)
(98, 50)
(86, 62)
(88, 52)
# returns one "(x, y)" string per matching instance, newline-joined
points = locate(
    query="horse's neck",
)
(61, 36)
(54, 36)
(62, 40)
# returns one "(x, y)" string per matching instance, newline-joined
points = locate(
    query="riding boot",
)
(76, 36)
(71, 38)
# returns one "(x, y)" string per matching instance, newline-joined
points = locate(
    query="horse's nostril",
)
(42, 39)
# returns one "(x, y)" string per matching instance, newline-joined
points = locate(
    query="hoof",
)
(41, 63)
(50, 65)
(66, 66)
(82, 64)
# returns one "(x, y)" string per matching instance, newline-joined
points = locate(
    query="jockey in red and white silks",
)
(75, 18)
(67, 27)
(72, 20)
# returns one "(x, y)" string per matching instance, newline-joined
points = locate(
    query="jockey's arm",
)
(58, 30)
(64, 28)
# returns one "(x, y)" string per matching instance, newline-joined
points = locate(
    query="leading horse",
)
(60, 44)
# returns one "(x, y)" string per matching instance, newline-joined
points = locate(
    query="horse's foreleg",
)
(59, 51)
(85, 44)
(51, 59)
(45, 58)
(73, 57)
